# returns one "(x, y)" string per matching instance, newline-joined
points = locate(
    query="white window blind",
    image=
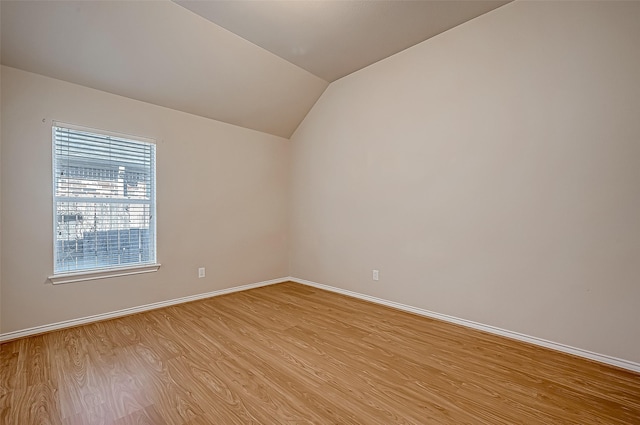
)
(104, 200)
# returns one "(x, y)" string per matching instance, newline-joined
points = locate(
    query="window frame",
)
(119, 269)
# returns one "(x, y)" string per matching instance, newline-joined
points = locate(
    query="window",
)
(103, 202)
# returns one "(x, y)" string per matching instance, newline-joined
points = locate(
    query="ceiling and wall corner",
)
(332, 39)
(161, 53)
(264, 71)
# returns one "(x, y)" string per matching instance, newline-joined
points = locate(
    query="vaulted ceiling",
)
(256, 64)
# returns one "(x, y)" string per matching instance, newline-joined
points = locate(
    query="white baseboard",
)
(133, 310)
(602, 358)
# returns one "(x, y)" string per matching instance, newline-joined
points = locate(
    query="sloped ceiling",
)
(257, 64)
(161, 53)
(332, 39)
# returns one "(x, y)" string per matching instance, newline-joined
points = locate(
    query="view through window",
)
(104, 200)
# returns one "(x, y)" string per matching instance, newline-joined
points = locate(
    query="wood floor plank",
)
(288, 353)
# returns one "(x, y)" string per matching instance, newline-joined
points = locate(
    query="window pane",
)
(104, 201)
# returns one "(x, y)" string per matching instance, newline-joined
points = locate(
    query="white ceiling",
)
(264, 71)
(332, 39)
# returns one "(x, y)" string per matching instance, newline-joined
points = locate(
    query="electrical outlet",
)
(376, 275)
(201, 272)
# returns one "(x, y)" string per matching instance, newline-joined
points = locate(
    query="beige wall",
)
(221, 202)
(0, 185)
(491, 173)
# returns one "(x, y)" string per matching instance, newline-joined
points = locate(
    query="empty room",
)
(319, 212)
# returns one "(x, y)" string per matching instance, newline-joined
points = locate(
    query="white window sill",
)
(102, 273)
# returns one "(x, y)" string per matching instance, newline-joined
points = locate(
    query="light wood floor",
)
(293, 354)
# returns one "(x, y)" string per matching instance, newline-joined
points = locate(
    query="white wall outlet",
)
(376, 275)
(201, 272)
